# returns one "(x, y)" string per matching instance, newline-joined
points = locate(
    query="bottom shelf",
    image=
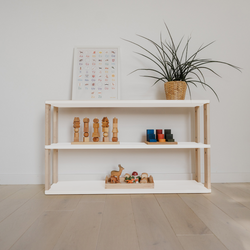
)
(98, 187)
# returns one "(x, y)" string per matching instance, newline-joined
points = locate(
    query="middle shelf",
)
(127, 145)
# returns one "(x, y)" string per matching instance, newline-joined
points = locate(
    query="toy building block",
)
(86, 129)
(152, 140)
(76, 126)
(150, 131)
(162, 140)
(150, 134)
(105, 129)
(167, 131)
(95, 134)
(115, 130)
(168, 136)
(171, 140)
(160, 136)
(117, 173)
(158, 131)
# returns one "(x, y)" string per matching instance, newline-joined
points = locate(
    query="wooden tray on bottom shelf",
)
(158, 143)
(125, 185)
(92, 142)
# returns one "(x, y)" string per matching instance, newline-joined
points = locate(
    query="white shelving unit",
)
(98, 187)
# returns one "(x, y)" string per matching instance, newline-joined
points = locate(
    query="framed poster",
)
(95, 74)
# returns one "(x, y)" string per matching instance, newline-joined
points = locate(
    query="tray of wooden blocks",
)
(95, 134)
(133, 181)
(159, 137)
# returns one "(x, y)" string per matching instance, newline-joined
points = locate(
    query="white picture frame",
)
(96, 73)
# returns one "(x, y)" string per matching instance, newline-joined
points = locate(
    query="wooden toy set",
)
(134, 181)
(95, 134)
(159, 137)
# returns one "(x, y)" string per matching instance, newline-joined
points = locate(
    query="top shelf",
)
(129, 104)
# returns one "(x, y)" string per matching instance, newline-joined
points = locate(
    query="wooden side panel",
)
(207, 170)
(47, 124)
(55, 125)
(197, 150)
(47, 169)
(55, 166)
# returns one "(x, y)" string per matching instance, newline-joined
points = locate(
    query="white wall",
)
(36, 52)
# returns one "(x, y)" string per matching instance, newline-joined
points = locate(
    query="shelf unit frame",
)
(197, 145)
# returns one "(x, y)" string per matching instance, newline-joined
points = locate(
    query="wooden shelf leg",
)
(198, 164)
(207, 168)
(47, 169)
(55, 166)
(197, 150)
(55, 151)
(47, 142)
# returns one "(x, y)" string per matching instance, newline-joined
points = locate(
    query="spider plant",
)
(174, 62)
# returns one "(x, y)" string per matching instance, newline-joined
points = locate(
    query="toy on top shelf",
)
(105, 129)
(166, 138)
(76, 126)
(115, 130)
(95, 134)
(86, 129)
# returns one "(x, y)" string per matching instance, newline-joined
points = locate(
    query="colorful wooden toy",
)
(105, 129)
(76, 126)
(160, 136)
(86, 130)
(115, 130)
(158, 131)
(162, 140)
(95, 134)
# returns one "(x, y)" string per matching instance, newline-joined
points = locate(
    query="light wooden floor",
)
(29, 220)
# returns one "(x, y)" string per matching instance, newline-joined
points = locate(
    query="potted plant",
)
(176, 68)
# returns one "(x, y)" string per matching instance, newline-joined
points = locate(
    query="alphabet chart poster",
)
(95, 74)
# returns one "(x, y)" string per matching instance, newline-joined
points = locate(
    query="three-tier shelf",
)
(97, 186)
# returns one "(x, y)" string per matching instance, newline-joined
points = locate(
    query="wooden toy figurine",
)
(117, 174)
(86, 129)
(76, 126)
(115, 130)
(105, 129)
(95, 134)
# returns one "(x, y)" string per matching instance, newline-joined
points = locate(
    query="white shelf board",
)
(98, 187)
(127, 145)
(129, 104)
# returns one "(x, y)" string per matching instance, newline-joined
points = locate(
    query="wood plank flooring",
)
(218, 221)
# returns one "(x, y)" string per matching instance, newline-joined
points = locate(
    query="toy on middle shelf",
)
(166, 138)
(105, 129)
(115, 130)
(86, 129)
(76, 126)
(95, 134)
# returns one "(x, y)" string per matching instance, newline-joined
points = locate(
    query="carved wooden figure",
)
(105, 129)
(76, 126)
(95, 134)
(86, 129)
(117, 173)
(115, 130)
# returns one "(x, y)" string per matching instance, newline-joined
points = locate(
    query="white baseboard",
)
(8, 179)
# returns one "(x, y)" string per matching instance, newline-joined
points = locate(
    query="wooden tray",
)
(158, 143)
(125, 185)
(92, 142)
